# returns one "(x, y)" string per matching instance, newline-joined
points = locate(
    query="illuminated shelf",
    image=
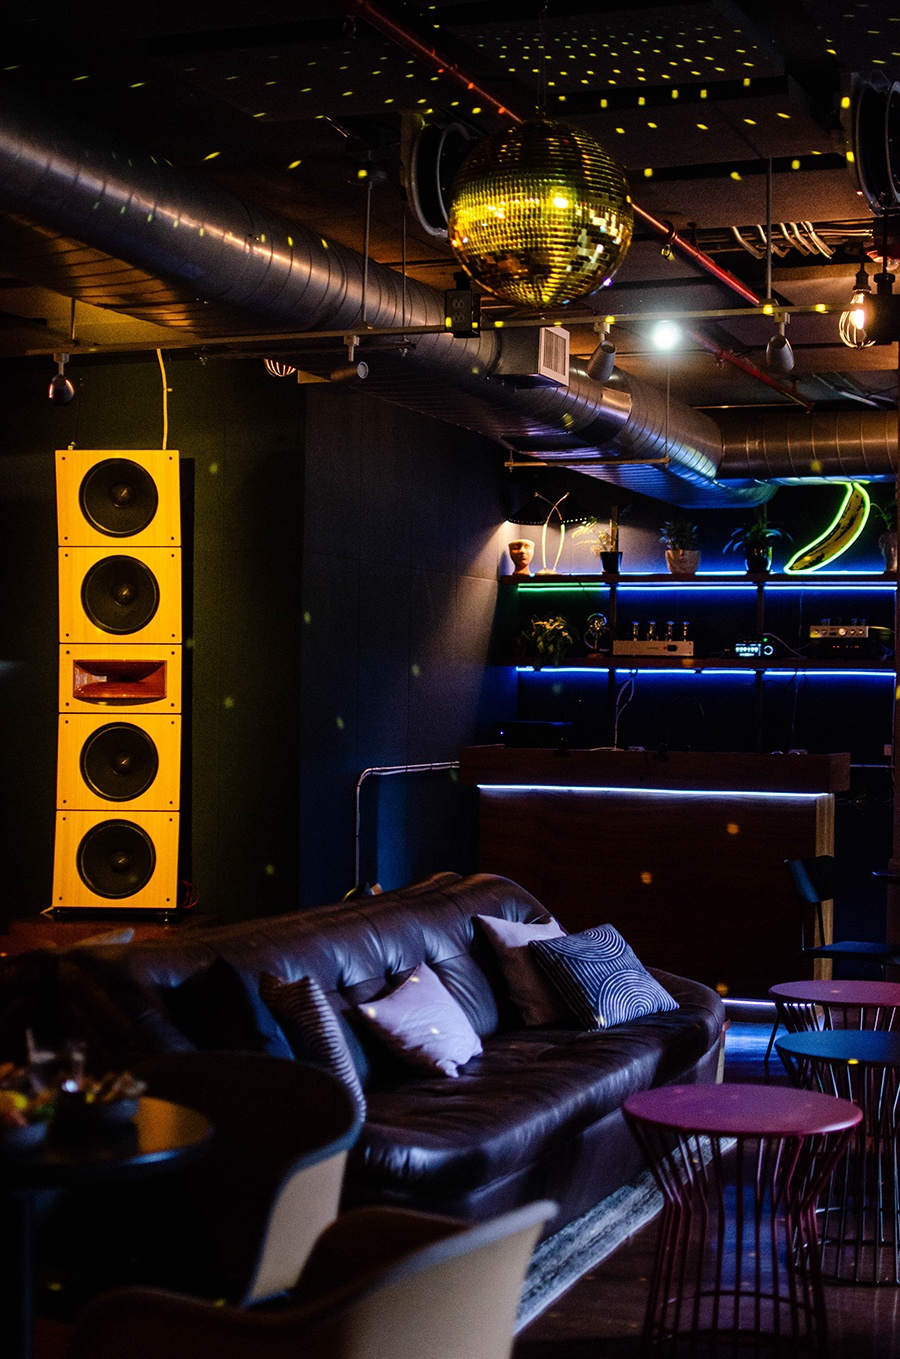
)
(739, 580)
(832, 665)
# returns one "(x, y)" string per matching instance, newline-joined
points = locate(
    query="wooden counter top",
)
(695, 770)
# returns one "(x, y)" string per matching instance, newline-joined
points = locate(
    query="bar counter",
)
(683, 851)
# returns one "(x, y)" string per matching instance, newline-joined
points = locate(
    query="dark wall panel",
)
(405, 539)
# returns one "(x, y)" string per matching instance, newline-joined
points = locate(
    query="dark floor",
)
(601, 1317)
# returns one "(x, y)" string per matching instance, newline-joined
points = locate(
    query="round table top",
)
(862, 1047)
(886, 994)
(734, 1109)
(161, 1134)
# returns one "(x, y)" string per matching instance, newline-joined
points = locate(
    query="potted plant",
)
(551, 638)
(887, 539)
(681, 539)
(602, 540)
(755, 538)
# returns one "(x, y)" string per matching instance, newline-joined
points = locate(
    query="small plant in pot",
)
(755, 539)
(551, 638)
(887, 539)
(681, 539)
(601, 540)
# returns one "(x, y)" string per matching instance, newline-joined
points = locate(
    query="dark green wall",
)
(341, 559)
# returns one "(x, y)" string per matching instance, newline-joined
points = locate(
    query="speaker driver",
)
(118, 497)
(116, 859)
(119, 761)
(120, 594)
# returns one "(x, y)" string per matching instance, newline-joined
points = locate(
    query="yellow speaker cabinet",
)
(106, 861)
(133, 595)
(107, 676)
(106, 497)
(118, 763)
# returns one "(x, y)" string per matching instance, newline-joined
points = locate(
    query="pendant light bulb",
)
(852, 325)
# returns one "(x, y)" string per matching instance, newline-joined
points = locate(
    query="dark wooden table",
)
(161, 1136)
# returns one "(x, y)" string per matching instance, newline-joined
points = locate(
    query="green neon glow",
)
(840, 540)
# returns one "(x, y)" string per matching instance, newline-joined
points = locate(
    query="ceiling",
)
(726, 118)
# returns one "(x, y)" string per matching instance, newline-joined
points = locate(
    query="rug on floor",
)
(562, 1259)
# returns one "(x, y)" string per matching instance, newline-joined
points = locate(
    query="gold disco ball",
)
(540, 214)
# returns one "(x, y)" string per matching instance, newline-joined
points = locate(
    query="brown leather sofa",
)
(538, 1115)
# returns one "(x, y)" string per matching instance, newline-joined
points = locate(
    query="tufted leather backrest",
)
(356, 950)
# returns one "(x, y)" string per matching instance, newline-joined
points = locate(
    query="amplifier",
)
(660, 647)
(841, 630)
(861, 640)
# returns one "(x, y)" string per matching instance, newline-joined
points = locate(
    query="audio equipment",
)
(862, 640)
(142, 676)
(102, 497)
(115, 859)
(132, 594)
(120, 680)
(131, 760)
(631, 646)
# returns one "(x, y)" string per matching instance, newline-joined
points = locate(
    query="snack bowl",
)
(79, 1115)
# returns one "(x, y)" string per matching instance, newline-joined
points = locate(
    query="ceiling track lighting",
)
(779, 355)
(357, 371)
(601, 363)
(61, 390)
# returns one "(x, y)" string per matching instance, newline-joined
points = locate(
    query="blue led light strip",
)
(643, 792)
(787, 671)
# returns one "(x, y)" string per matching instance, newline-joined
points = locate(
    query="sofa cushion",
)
(529, 990)
(531, 1096)
(313, 1029)
(600, 977)
(213, 1008)
(421, 1022)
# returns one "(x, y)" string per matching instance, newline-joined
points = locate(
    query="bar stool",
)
(740, 1168)
(860, 1210)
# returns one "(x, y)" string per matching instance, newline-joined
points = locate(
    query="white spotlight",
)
(665, 335)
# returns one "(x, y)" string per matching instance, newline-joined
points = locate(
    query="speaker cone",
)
(119, 761)
(118, 497)
(120, 594)
(116, 859)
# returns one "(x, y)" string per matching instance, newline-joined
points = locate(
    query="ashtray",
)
(16, 1141)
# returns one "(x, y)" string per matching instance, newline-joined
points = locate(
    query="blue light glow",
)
(712, 672)
(592, 789)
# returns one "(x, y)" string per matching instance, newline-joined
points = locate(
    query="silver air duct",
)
(788, 447)
(210, 258)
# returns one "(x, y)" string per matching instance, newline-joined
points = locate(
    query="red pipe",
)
(431, 57)
(747, 367)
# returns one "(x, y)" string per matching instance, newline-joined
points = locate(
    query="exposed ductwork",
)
(212, 258)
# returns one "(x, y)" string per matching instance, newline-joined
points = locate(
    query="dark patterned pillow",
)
(600, 977)
(313, 1029)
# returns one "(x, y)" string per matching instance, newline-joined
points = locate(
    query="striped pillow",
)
(313, 1029)
(600, 978)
